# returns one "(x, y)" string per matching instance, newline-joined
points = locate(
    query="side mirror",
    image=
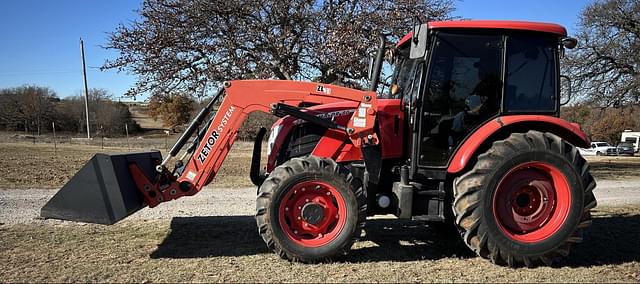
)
(568, 88)
(419, 41)
(569, 42)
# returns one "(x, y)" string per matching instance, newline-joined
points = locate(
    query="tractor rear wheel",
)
(526, 200)
(310, 210)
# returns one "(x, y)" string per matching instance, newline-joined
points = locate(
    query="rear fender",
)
(502, 127)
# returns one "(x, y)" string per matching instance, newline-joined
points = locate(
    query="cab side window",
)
(463, 91)
(530, 70)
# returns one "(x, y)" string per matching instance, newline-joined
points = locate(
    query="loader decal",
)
(211, 140)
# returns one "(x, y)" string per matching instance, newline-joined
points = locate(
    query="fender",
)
(567, 130)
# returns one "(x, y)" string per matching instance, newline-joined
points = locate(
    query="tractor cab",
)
(453, 77)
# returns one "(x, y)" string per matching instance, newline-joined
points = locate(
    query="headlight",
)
(272, 138)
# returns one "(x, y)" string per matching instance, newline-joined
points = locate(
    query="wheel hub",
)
(526, 201)
(313, 213)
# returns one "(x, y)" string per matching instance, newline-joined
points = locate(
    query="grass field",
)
(27, 165)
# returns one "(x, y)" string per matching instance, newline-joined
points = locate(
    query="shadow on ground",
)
(612, 239)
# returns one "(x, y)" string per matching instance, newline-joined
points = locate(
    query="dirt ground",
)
(212, 237)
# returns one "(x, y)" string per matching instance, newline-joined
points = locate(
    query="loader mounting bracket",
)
(165, 187)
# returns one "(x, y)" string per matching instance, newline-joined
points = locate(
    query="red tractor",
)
(468, 133)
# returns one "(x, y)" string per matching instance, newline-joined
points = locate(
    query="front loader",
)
(468, 134)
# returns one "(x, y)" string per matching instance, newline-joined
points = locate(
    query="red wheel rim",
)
(532, 202)
(312, 213)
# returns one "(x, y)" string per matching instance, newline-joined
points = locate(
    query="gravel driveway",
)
(23, 206)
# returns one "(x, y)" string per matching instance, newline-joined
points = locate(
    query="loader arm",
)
(240, 99)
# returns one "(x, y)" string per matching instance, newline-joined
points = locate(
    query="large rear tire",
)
(526, 200)
(310, 210)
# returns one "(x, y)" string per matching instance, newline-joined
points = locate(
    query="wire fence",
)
(130, 143)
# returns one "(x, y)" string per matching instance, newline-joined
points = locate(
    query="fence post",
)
(166, 143)
(102, 136)
(55, 144)
(126, 129)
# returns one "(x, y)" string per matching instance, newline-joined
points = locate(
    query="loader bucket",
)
(103, 191)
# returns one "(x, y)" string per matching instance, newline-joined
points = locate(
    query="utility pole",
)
(86, 89)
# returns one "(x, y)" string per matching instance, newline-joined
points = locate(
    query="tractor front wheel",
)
(526, 200)
(310, 210)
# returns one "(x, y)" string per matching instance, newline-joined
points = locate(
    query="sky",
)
(40, 39)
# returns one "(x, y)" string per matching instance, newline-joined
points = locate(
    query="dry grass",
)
(614, 168)
(213, 249)
(141, 116)
(26, 165)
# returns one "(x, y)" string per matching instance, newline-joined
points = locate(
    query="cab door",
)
(462, 89)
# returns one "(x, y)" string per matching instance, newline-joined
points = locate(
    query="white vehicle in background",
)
(633, 137)
(599, 149)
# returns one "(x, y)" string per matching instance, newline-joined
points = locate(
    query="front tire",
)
(526, 200)
(310, 210)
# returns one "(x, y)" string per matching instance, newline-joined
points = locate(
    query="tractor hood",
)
(389, 115)
(281, 129)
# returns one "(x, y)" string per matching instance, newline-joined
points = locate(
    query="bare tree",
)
(188, 46)
(27, 106)
(606, 65)
(105, 115)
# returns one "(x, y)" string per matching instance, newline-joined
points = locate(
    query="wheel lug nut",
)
(299, 218)
(306, 200)
(303, 189)
(328, 193)
(295, 232)
(286, 209)
(337, 216)
(299, 207)
(320, 235)
(318, 187)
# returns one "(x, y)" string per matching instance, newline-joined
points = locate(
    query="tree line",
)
(605, 70)
(34, 109)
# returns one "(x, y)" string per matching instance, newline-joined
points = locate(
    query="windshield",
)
(603, 144)
(402, 74)
(625, 144)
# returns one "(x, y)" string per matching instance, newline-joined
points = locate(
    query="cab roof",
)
(555, 29)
